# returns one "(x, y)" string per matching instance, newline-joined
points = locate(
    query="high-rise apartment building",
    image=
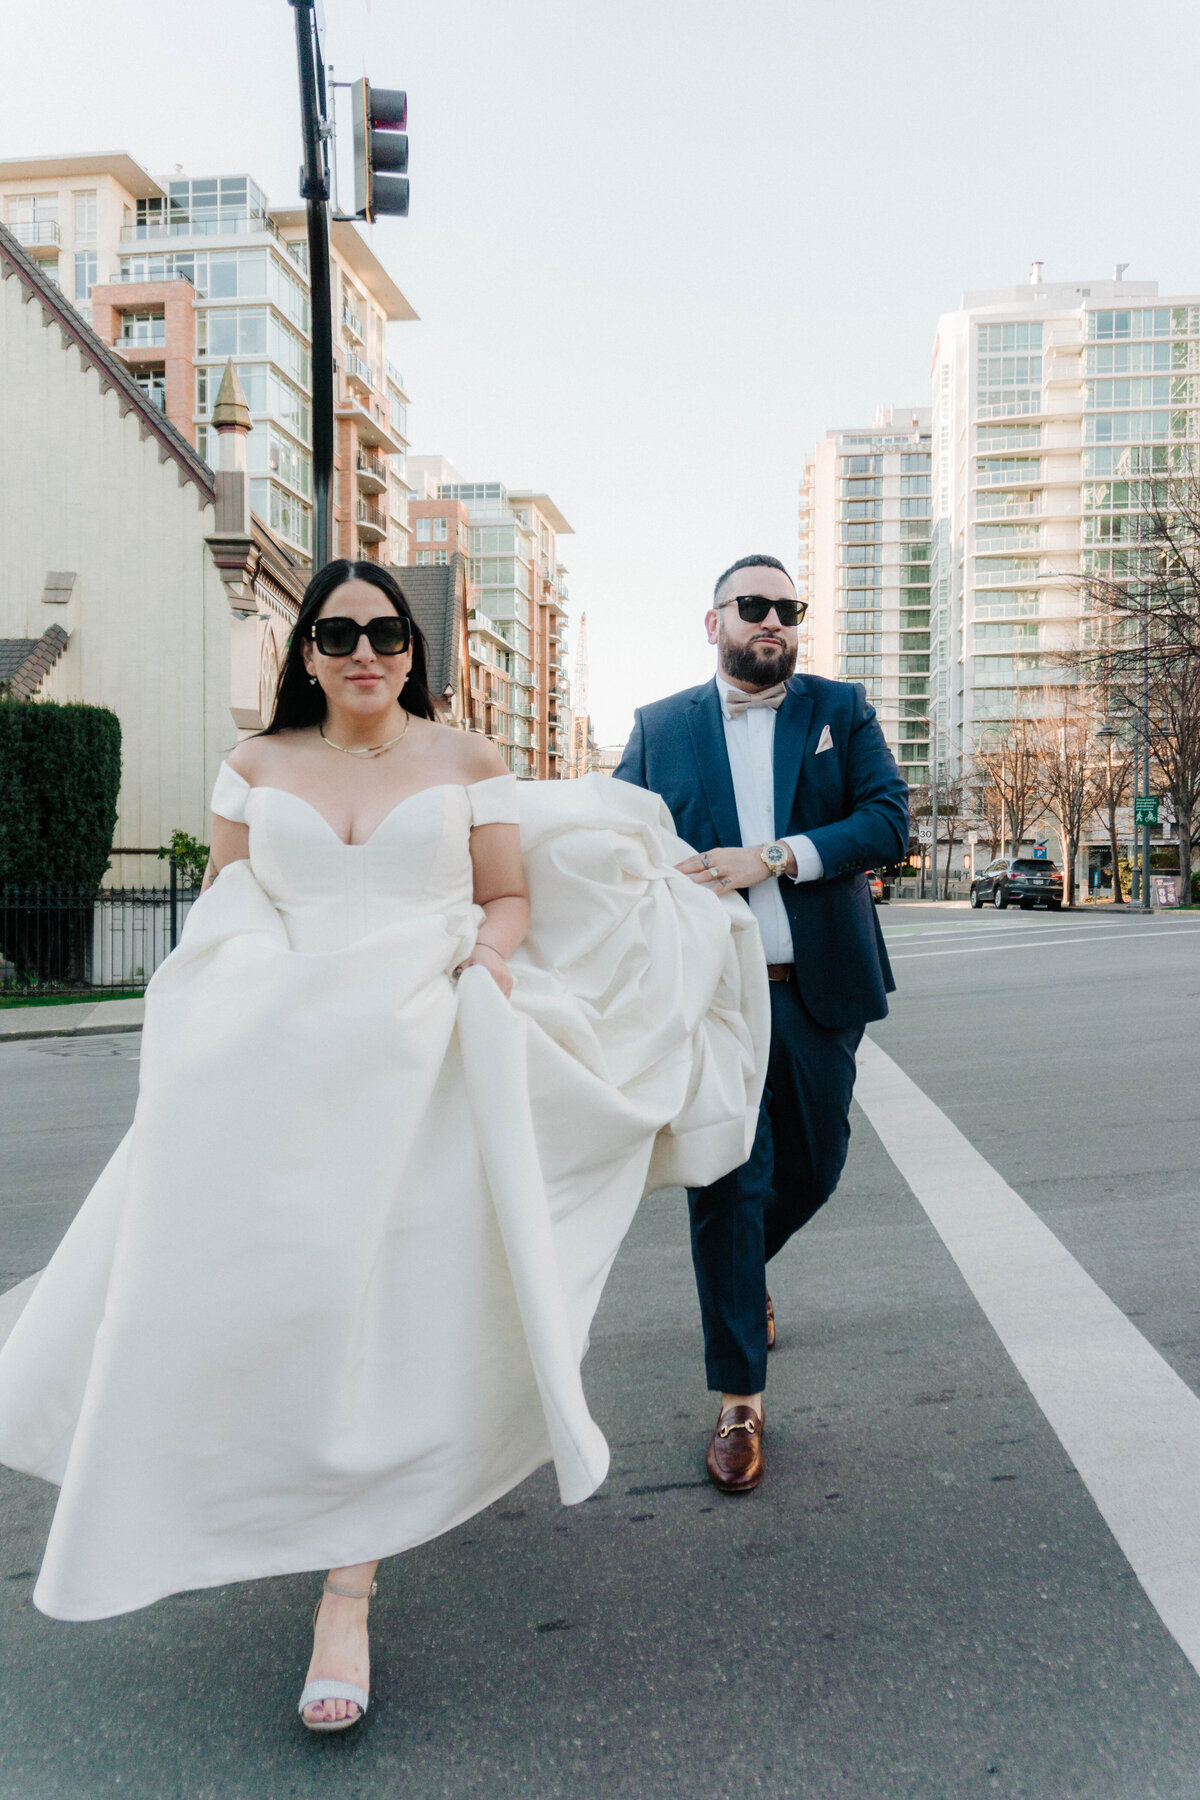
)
(181, 275)
(864, 529)
(1053, 404)
(517, 627)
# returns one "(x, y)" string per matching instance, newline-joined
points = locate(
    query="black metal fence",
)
(57, 939)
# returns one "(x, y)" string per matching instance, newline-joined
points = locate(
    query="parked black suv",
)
(1022, 880)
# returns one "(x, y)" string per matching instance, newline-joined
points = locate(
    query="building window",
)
(423, 530)
(424, 558)
(441, 558)
(85, 272)
(153, 383)
(143, 328)
(85, 217)
(440, 531)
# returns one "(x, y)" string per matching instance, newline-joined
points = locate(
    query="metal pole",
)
(1135, 889)
(174, 901)
(1145, 761)
(314, 185)
(934, 800)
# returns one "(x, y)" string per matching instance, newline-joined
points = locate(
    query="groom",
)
(787, 790)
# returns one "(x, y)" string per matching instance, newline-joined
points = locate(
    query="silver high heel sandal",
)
(336, 1690)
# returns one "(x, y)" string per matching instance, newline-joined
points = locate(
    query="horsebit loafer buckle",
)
(750, 1425)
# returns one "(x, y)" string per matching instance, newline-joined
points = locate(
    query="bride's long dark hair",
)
(297, 701)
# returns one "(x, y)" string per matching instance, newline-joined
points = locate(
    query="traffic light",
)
(380, 151)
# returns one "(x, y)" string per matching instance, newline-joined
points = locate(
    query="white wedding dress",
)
(330, 1296)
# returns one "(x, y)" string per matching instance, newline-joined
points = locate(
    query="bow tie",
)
(737, 702)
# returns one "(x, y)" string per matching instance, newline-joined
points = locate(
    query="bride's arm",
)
(501, 891)
(230, 842)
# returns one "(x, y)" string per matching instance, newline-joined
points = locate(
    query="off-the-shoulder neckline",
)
(436, 787)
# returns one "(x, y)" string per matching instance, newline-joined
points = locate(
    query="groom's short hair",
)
(749, 562)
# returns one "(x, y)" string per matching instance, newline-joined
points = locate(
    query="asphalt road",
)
(922, 1602)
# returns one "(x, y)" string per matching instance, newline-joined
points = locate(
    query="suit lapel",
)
(706, 722)
(792, 723)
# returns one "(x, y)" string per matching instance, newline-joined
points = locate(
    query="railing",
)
(147, 280)
(352, 322)
(31, 232)
(357, 369)
(221, 225)
(394, 376)
(371, 516)
(143, 340)
(74, 939)
(372, 465)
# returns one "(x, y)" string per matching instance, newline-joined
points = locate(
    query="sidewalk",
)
(87, 1018)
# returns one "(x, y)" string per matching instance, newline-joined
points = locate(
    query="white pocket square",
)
(825, 741)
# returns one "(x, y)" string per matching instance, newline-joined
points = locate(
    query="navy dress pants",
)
(799, 1151)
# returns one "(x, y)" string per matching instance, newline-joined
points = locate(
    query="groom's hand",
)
(731, 866)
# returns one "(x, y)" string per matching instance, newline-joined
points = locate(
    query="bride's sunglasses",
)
(388, 635)
(753, 609)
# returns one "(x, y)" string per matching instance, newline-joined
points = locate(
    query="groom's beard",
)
(759, 665)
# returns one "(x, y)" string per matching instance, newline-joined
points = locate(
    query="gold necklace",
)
(367, 749)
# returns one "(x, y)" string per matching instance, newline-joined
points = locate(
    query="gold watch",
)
(776, 857)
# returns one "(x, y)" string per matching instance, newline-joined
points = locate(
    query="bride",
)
(426, 1041)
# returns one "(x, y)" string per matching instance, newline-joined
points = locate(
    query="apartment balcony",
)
(372, 473)
(1022, 509)
(353, 324)
(358, 372)
(142, 348)
(230, 224)
(40, 236)
(372, 522)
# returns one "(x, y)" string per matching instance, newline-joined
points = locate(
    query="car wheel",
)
(999, 898)
(976, 902)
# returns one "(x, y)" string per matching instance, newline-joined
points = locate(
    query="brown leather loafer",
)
(770, 1322)
(734, 1458)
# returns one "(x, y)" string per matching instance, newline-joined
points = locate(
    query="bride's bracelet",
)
(480, 945)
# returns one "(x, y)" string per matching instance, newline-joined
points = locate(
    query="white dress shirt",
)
(750, 742)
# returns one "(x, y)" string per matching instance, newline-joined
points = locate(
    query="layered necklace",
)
(367, 749)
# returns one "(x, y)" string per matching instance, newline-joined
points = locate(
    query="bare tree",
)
(952, 803)
(1141, 637)
(1011, 764)
(1114, 777)
(1067, 780)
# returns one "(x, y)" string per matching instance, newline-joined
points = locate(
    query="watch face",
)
(775, 856)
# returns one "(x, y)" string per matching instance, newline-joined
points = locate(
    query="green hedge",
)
(60, 770)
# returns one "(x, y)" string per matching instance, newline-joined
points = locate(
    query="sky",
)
(659, 249)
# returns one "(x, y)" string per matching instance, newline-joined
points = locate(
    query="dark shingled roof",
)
(436, 598)
(24, 661)
(57, 310)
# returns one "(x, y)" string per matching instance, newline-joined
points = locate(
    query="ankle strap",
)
(331, 1587)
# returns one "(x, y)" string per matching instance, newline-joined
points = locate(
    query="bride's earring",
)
(312, 681)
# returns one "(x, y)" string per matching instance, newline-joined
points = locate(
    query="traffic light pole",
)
(314, 185)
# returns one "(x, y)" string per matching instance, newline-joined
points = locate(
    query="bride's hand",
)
(495, 964)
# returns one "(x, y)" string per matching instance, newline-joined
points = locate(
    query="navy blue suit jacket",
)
(850, 800)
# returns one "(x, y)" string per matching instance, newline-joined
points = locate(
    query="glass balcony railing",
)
(226, 224)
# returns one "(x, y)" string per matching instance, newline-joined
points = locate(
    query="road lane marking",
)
(1127, 1421)
(1040, 943)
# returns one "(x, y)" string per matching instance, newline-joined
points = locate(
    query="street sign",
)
(924, 831)
(1166, 890)
(1145, 809)
(1039, 850)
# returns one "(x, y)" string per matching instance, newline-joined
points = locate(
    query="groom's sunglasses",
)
(753, 609)
(389, 635)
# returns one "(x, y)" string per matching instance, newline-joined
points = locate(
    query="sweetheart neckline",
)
(436, 787)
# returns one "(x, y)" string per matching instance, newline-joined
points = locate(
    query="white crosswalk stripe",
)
(1129, 1423)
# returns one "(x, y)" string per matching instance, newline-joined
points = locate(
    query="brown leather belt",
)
(781, 971)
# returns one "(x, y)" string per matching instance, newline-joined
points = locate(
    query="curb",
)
(64, 1031)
